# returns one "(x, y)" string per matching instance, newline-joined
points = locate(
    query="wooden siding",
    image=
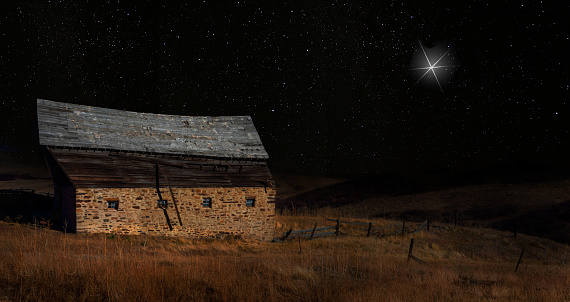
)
(105, 169)
(78, 126)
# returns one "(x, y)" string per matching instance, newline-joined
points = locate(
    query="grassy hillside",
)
(468, 262)
(461, 264)
(540, 208)
(289, 185)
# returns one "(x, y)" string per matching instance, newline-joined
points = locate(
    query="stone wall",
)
(138, 212)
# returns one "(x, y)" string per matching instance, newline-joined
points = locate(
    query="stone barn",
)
(125, 172)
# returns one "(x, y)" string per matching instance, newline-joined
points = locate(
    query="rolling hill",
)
(535, 203)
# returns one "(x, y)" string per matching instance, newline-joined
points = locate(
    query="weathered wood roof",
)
(78, 126)
(104, 169)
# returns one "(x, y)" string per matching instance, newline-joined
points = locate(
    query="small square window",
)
(207, 202)
(250, 202)
(113, 204)
(161, 203)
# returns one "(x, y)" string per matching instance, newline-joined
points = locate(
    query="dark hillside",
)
(533, 200)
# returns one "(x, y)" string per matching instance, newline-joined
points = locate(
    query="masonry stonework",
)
(137, 212)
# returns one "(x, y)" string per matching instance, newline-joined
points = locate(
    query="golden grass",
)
(461, 265)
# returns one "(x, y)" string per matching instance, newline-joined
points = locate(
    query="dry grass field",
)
(461, 264)
(469, 262)
(536, 207)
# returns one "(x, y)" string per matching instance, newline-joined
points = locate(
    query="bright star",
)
(442, 68)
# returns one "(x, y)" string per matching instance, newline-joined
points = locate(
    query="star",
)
(441, 73)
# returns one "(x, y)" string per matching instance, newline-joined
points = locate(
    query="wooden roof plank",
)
(70, 125)
(90, 169)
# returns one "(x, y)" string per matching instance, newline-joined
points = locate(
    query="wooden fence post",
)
(410, 251)
(337, 227)
(519, 262)
(410, 256)
(313, 232)
(369, 229)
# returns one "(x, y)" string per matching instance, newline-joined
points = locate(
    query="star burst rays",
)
(441, 69)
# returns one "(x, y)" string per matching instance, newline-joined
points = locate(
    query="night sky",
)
(330, 84)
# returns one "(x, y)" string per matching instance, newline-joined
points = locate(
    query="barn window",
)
(250, 202)
(113, 204)
(162, 203)
(207, 202)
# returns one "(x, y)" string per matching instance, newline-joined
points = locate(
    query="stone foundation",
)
(137, 212)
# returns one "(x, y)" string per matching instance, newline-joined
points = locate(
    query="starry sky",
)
(330, 84)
